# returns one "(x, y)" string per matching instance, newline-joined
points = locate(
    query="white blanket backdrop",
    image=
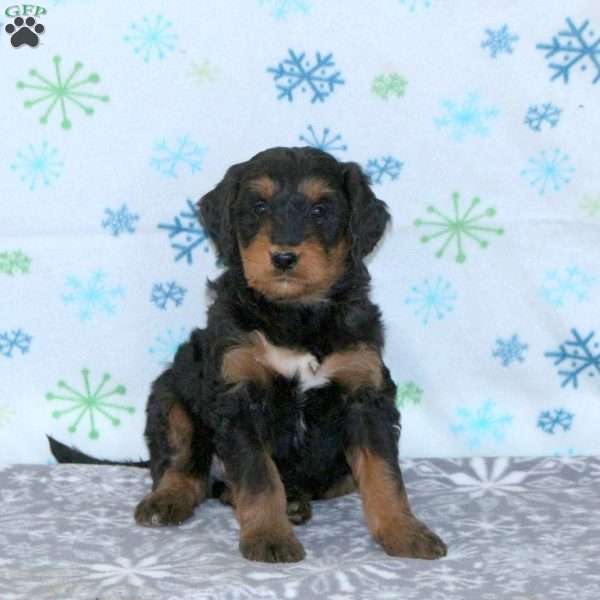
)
(478, 122)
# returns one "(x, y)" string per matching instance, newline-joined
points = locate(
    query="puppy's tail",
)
(70, 454)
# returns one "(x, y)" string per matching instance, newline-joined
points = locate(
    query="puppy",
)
(285, 387)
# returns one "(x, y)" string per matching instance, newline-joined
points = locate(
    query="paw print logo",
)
(24, 31)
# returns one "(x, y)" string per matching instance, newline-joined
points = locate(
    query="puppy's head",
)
(295, 219)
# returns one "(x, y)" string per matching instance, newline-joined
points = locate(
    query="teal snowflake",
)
(459, 227)
(466, 117)
(432, 299)
(152, 38)
(561, 285)
(89, 401)
(166, 345)
(92, 296)
(412, 5)
(326, 141)
(282, 9)
(481, 424)
(37, 165)
(63, 91)
(548, 170)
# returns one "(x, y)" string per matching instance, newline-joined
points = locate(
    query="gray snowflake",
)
(499, 42)
(119, 221)
(509, 351)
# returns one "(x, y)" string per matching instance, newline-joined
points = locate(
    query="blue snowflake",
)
(152, 38)
(480, 424)
(385, 167)
(92, 297)
(37, 165)
(282, 9)
(579, 356)
(509, 351)
(499, 42)
(466, 117)
(432, 299)
(11, 341)
(166, 345)
(574, 48)
(412, 5)
(186, 228)
(163, 293)
(185, 152)
(295, 73)
(559, 285)
(548, 421)
(119, 221)
(544, 171)
(545, 113)
(331, 144)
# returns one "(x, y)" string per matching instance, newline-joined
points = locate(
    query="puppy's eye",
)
(318, 210)
(260, 207)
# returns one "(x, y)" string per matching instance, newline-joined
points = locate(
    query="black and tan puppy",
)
(285, 387)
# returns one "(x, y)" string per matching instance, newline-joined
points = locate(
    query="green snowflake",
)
(89, 402)
(202, 73)
(6, 414)
(14, 262)
(409, 393)
(459, 227)
(591, 206)
(385, 86)
(61, 91)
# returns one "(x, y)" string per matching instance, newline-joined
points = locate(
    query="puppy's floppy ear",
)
(215, 212)
(368, 215)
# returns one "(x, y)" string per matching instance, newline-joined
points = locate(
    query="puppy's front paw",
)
(163, 507)
(271, 548)
(409, 538)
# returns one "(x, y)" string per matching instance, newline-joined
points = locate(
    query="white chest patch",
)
(291, 363)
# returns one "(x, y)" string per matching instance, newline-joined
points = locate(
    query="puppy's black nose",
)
(284, 261)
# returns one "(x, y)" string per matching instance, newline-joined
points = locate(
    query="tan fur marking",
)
(182, 486)
(354, 368)
(256, 359)
(180, 433)
(314, 188)
(264, 186)
(383, 500)
(265, 511)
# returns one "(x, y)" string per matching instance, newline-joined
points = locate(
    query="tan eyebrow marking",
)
(314, 188)
(264, 186)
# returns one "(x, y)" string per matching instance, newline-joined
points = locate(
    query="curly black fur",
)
(237, 423)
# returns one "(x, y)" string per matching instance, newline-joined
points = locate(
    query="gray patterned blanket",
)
(517, 528)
